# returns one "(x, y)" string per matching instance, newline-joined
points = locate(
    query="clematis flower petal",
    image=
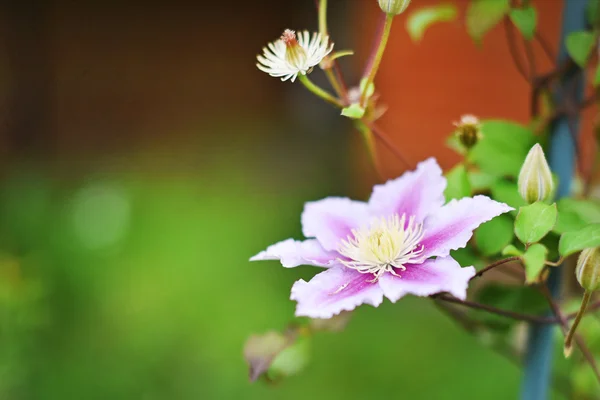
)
(332, 219)
(433, 276)
(334, 290)
(452, 226)
(292, 253)
(417, 193)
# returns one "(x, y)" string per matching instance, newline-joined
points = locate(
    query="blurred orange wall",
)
(430, 84)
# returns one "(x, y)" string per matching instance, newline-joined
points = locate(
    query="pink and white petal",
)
(417, 193)
(292, 253)
(332, 219)
(452, 226)
(333, 291)
(433, 276)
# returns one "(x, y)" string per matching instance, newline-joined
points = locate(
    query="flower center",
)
(294, 53)
(383, 245)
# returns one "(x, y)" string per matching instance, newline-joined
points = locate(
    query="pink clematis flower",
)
(397, 243)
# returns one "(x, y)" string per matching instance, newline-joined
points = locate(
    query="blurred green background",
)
(144, 160)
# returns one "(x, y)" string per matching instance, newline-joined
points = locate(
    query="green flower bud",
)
(468, 131)
(588, 269)
(535, 178)
(393, 7)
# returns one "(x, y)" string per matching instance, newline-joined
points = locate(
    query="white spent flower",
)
(289, 56)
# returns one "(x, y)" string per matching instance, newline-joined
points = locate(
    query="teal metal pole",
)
(540, 346)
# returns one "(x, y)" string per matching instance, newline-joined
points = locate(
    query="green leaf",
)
(572, 242)
(353, 111)
(419, 20)
(579, 46)
(535, 221)
(534, 259)
(458, 183)
(483, 15)
(291, 360)
(494, 235)
(503, 147)
(575, 214)
(511, 250)
(507, 192)
(525, 19)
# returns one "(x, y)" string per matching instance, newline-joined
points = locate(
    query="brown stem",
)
(341, 81)
(497, 311)
(374, 47)
(494, 265)
(512, 47)
(545, 46)
(564, 324)
(388, 143)
(569, 338)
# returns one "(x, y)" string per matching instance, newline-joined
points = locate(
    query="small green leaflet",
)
(525, 19)
(534, 260)
(579, 46)
(572, 242)
(353, 111)
(483, 15)
(535, 221)
(421, 19)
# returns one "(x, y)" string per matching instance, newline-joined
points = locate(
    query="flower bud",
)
(535, 178)
(588, 269)
(393, 7)
(468, 130)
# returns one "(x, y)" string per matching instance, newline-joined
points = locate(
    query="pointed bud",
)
(535, 178)
(588, 269)
(393, 7)
(468, 130)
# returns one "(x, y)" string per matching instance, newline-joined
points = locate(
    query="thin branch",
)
(337, 78)
(548, 50)
(512, 47)
(388, 142)
(504, 313)
(565, 328)
(530, 59)
(375, 45)
(494, 265)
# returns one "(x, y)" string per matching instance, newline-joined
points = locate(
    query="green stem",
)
(569, 339)
(334, 82)
(323, 17)
(367, 135)
(378, 56)
(319, 92)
